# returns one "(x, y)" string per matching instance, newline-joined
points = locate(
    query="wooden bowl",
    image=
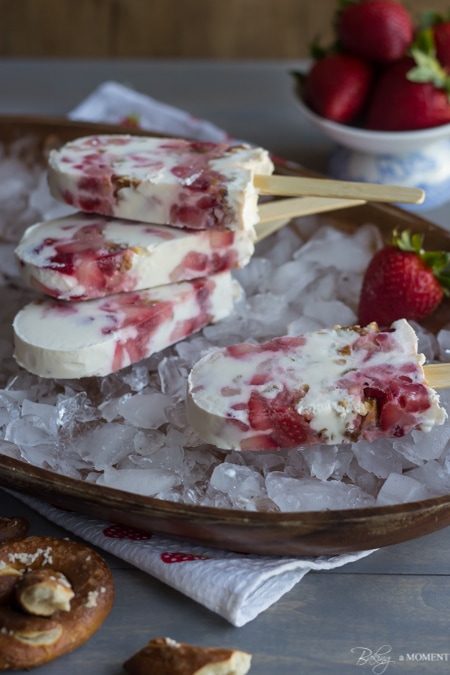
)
(308, 533)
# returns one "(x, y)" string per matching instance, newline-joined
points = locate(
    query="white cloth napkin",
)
(113, 103)
(236, 586)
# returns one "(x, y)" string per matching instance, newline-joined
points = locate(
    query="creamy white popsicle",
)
(330, 386)
(167, 181)
(84, 256)
(59, 339)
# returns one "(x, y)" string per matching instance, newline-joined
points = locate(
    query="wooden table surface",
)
(394, 602)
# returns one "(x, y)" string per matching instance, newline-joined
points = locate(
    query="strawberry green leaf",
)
(437, 261)
(316, 50)
(425, 42)
(405, 242)
(428, 69)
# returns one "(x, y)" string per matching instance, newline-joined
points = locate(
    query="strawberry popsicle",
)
(166, 181)
(330, 386)
(54, 338)
(84, 256)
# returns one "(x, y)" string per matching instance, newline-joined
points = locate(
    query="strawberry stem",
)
(427, 68)
(437, 261)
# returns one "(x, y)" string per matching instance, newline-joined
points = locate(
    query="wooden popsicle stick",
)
(275, 215)
(438, 375)
(291, 186)
(302, 206)
(263, 230)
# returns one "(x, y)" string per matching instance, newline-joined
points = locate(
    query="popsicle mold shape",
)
(167, 181)
(332, 386)
(85, 256)
(59, 339)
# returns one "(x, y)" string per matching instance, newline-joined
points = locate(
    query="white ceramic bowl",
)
(408, 158)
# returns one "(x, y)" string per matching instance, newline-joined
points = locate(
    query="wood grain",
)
(254, 29)
(318, 187)
(51, 28)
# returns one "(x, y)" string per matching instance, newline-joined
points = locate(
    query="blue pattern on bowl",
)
(427, 168)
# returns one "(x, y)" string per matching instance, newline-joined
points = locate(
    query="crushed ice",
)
(129, 430)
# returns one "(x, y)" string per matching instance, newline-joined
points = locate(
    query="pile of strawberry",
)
(383, 72)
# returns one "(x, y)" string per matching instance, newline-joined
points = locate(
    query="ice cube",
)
(149, 482)
(147, 411)
(310, 494)
(105, 445)
(434, 476)
(173, 376)
(379, 458)
(330, 247)
(321, 460)
(398, 489)
(240, 483)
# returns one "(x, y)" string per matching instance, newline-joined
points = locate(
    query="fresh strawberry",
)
(412, 93)
(434, 36)
(337, 87)
(403, 281)
(376, 30)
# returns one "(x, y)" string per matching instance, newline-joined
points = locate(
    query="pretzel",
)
(54, 594)
(13, 528)
(164, 656)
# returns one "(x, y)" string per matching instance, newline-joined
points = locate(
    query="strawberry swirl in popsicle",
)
(331, 386)
(54, 338)
(86, 256)
(176, 182)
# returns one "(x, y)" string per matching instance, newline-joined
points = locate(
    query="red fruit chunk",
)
(376, 30)
(398, 404)
(337, 87)
(278, 416)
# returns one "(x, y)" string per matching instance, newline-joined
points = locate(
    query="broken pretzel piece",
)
(43, 592)
(164, 656)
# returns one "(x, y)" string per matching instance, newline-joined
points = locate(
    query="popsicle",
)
(331, 386)
(84, 256)
(185, 183)
(59, 339)
(160, 180)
